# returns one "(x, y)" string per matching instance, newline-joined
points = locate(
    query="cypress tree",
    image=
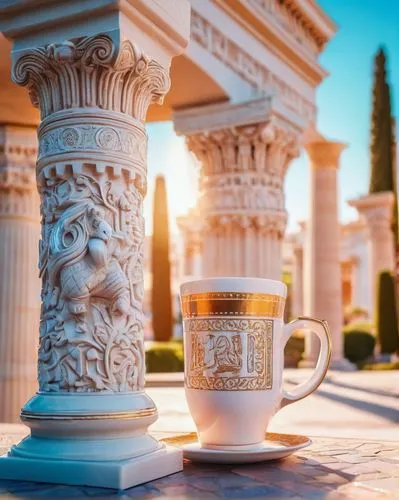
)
(161, 298)
(383, 147)
(387, 314)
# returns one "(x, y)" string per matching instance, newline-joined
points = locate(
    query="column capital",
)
(323, 153)
(375, 209)
(91, 72)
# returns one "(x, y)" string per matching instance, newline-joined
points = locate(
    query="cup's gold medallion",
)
(229, 354)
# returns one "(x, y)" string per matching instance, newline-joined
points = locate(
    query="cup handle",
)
(321, 329)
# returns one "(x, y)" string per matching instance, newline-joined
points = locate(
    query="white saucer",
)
(274, 447)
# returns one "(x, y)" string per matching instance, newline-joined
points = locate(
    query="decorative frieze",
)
(295, 25)
(249, 68)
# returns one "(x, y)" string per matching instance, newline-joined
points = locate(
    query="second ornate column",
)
(90, 418)
(245, 153)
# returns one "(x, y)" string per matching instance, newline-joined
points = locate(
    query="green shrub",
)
(387, 315)
(358, 345)
(165, 357)
(359, 326)
(380, 366)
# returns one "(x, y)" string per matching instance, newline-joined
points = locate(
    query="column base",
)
(90, 439)
(341, 364)
(118, 474)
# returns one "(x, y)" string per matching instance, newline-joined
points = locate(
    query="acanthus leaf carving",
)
(91, 72)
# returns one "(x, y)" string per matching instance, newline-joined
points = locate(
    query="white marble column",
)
(297, 281)
(245, 153)
(190, 229)
(20, 284)
(323, 276)
(89, 419)
(376, 210)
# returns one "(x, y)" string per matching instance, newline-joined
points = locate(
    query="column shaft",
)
(20, 285)
(324, 300)
(297, 282)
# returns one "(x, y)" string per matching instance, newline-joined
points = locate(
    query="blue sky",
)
(344, 107)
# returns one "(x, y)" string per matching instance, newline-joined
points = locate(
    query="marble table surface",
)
(331, 468)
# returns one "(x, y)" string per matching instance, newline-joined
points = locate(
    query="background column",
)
(376, 210)
(242, 203)
(323, 270)
(297, 281)
(19, 282)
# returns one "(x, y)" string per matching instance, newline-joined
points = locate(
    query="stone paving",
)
(352, 405)
(357, 455)
(330, 468)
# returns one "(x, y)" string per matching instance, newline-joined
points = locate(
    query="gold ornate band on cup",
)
(232, 304)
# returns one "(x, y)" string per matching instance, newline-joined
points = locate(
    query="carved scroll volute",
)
(91, 171)
(91, 72)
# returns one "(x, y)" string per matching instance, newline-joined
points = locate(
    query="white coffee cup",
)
(234, 339)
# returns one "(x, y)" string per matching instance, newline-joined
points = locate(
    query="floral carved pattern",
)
(91, 255)
(229, 354)
(105, 139)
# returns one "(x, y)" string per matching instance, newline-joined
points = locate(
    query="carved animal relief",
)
(90, 262)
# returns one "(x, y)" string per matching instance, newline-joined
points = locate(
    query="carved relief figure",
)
(80, 261)
(217, 355)
(91, 265)
(229, 354)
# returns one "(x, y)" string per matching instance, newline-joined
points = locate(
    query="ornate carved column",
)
(376, 210)
(89, 419)
(323, 279)
(245, 152)
(20, 284)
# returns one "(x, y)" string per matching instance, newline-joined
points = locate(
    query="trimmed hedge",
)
(359, 326)
(380, 366)
(358, 345)
(164, 357)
